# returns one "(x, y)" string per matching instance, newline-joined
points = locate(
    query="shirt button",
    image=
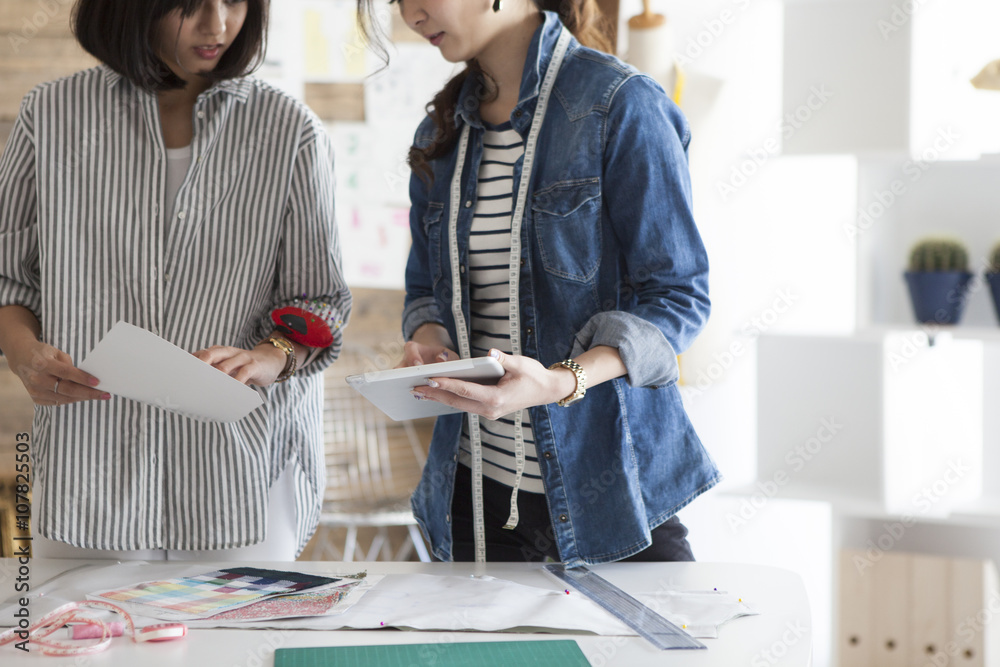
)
(182, 215)
(166, 277)
(468, 204)
(201, 114)
(563, 518)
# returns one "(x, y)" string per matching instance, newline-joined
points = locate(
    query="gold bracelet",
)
(581, 382)
(290, 360)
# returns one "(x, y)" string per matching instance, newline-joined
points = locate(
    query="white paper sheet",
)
(430, 602)
(699, 613)
(138, 364)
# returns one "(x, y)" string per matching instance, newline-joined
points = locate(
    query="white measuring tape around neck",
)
(541, 107)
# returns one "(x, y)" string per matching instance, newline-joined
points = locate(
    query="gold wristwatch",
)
(581, 382)
(290, 360)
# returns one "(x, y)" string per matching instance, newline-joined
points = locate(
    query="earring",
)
(497, 6)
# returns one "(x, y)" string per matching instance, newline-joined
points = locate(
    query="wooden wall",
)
(36, 45)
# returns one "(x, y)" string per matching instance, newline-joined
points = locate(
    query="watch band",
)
(290, 361)
(581, 382)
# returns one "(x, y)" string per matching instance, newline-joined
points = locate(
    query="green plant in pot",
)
(992, 276)
(938, 279)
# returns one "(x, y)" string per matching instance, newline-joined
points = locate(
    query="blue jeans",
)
(533, 539)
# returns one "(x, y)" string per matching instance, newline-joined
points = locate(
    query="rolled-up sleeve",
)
(19, 268)
(309, 261)
(647, 191)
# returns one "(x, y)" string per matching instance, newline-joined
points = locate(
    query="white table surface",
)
(780, 636)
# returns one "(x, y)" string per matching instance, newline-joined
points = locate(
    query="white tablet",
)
(389, 390)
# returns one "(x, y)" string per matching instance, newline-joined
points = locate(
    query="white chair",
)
(373, 465)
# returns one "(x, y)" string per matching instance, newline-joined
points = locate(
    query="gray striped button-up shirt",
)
(84, 243)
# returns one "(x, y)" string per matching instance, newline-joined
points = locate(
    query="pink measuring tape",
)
(72, 613)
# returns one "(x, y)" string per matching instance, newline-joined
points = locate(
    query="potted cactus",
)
(938, 279)
(993, 276)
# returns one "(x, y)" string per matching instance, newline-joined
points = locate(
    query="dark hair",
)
(583, 18)
(123, 34)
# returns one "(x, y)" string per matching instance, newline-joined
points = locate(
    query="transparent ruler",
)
(660, 632)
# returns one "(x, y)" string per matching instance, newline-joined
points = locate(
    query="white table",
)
(780, 636)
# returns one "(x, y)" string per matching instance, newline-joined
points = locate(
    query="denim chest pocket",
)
(567, 219)
(432, 227)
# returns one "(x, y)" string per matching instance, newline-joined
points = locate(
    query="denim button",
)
(563, 518)
(547, 455)
(447, 518)
(529, 330)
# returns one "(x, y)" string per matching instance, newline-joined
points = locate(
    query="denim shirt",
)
(610, 255)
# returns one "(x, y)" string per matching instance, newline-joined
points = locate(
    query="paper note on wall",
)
(376, 243)
(333, 48)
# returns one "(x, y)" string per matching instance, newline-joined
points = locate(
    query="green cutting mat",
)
(543, 653)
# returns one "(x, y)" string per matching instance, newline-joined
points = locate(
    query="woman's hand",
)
(260, 366)
(417, 354)
(525, 383)
(49, 374)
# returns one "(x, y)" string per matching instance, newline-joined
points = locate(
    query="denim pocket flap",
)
(433, 215)
(566, 197)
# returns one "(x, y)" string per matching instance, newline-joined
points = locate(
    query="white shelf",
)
(902, 86)
(881, 416)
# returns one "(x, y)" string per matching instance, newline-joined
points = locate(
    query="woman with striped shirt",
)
(552, 229)
(170, 189)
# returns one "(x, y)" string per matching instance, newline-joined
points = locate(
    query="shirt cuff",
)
(417, 312)
(648, 356)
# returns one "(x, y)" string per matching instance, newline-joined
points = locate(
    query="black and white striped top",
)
(489, 299)
(84, 243)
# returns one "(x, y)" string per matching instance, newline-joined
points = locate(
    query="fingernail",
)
(443, 356)
(105, 396)
(416, 394)
(93, 382)
(495, 353)
(432, 383)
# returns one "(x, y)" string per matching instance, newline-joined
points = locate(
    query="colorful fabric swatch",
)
(211, 593)
(289, 606)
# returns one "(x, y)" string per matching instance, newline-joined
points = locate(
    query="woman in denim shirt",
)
(602, 283)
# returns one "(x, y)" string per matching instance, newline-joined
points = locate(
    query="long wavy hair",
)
(583, 18)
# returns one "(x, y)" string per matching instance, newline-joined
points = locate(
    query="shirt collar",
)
(539, 56)
(238, 88)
